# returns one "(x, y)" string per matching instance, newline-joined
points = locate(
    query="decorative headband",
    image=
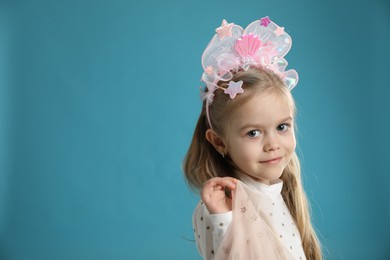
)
(262, 44)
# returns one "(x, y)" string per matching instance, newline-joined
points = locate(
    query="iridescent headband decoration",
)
(262, 44)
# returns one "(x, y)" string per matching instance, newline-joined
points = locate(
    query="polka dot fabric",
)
(260, 226)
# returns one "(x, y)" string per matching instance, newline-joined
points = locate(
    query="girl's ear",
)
(216, 141)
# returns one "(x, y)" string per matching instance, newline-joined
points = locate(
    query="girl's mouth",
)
(272, 161)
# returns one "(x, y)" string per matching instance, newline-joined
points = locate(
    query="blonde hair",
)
(203, 162)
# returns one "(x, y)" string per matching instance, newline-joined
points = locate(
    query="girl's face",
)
(260, 140)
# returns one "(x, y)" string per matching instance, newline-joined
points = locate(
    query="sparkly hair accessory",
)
(262, 44)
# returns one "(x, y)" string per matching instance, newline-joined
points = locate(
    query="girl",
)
(242, 156)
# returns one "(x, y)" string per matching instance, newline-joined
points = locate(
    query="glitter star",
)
(243, 209)
(265, 21)
(225, 29)
(234, 89)
(208, 96)
(209, 70)
(279, 31)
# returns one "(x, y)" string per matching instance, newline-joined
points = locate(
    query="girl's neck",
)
(245, 177)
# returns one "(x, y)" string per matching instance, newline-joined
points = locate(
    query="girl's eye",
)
(253, 133)
(283, 127)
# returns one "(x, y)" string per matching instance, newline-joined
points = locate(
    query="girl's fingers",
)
(230, 183)
(220, 183)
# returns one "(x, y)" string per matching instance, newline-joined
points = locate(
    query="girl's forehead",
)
(263, 108)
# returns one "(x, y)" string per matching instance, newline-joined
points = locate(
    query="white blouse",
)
(209, 229)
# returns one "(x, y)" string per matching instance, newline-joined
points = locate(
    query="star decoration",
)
(225, 29)
(243, 209)
(234, 89)
(265, 21)
(208, 96)
(209, 70)
(279, 31)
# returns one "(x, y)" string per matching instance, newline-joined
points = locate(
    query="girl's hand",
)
(216, 194)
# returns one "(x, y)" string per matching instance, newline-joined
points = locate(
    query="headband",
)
(262, 44)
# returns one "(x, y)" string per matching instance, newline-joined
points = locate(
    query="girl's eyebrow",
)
(251, 125)
(289, 118)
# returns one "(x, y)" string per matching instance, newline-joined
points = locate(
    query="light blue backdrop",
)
(98, 101)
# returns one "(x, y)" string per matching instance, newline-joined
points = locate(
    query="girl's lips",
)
(272, 161)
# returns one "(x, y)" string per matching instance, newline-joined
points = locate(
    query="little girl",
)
(242, 156)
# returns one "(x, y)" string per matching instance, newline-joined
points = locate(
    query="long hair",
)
(203, 162)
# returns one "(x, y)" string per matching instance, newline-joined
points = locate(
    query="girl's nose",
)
(271, 145)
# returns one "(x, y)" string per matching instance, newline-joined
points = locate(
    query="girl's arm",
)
(213, 215)
(209, 230)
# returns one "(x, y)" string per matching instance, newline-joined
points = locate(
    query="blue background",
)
(99, 99)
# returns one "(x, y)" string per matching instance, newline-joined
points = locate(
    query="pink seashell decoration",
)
(247, 45)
